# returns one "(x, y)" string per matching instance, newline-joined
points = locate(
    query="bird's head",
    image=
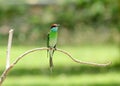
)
(54, 27)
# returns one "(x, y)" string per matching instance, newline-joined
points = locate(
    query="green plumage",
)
(51, 43)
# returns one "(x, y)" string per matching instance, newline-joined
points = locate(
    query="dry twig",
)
(9, 48)
(9, 67)
(45, 48)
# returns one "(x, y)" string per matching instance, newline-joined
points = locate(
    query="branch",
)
(83, 62)
(3, 76)
(9, 48)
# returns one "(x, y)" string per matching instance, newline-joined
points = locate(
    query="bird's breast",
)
(52, 39)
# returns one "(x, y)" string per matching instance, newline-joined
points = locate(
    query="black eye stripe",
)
(53, 26)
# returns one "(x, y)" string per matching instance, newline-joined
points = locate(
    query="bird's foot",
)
(55, 48)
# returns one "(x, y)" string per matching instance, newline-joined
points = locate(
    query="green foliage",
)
(72, 15)
(92, 11)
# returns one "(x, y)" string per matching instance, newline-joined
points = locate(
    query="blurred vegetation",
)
(33, 69)
(85, 21)
(82, 22)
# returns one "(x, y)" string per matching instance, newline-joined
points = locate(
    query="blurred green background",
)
(90, 31)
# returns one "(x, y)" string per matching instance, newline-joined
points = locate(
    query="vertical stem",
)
(9, 48)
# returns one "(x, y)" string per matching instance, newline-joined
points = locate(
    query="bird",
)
(51, 43)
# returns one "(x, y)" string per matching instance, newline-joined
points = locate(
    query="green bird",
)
(51, 42)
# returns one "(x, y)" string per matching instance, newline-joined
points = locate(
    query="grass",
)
(107, 79)
(33, 69)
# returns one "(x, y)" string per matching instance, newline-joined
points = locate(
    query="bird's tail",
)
(51, 60)
(51, 64)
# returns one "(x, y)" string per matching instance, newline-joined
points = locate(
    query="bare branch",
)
(27, 52)
(3, 76)
(83, 62)
(9, 48)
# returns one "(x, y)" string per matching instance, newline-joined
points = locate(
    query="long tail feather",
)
(51, 60)
(51, 64)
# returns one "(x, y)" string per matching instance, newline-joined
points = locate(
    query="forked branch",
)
(3, 76)
(10, 66)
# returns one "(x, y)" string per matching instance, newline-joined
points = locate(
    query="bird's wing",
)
(47, 44)
(48, 40)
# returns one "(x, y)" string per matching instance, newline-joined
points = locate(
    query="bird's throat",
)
(54, 29)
